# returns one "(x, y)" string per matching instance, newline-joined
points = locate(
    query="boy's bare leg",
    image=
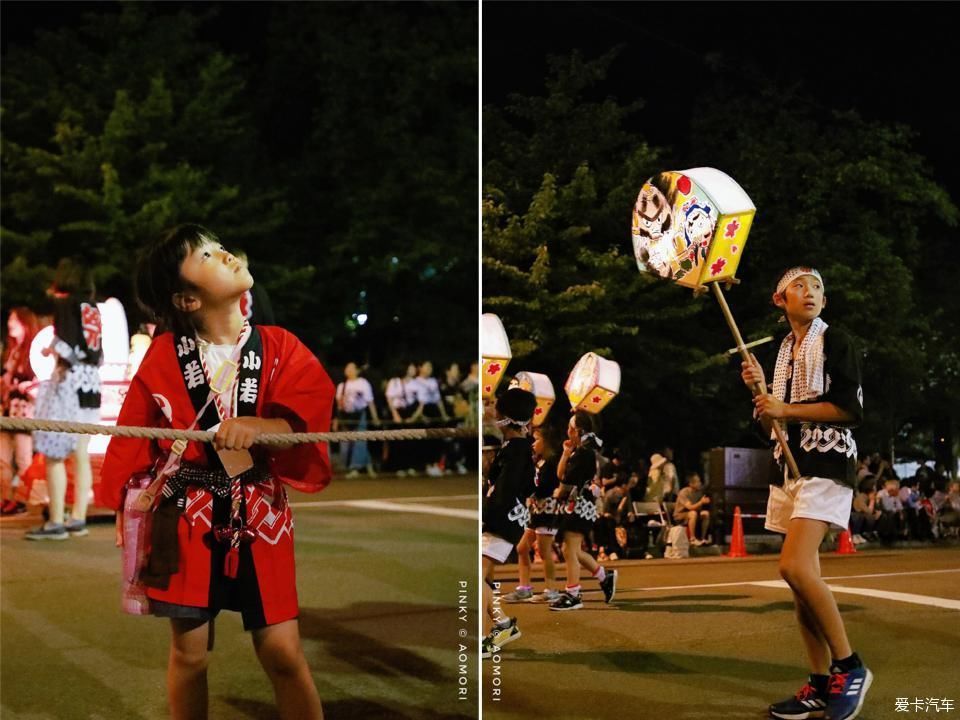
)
(546, 552)
(800, 567)
(281, 655)
(187, 669)
(83, 480)
(692, 524)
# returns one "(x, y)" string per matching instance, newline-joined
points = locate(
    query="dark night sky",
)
(889, 61)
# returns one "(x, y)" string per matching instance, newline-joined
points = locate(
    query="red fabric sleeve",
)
(300, 392)
(126, 456)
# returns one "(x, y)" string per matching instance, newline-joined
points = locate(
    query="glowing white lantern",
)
(496, 353)
(593, 383)
(542, 389)
(42, 364)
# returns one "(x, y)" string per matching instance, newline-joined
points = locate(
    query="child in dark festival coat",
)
(220, 543)
(816, 388)
(505, 512)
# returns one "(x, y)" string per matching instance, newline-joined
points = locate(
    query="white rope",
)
(32, 424)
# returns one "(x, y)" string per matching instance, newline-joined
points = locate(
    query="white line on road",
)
(427, 498)
(883, 594)
(406, 508)
(778, 583)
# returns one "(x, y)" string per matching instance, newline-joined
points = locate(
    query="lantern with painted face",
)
(691, 226)
(496, 353)
(542, 389)
(593, 383)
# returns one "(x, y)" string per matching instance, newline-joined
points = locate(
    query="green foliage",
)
(351, 143)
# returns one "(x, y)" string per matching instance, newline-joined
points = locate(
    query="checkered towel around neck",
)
(809, 380)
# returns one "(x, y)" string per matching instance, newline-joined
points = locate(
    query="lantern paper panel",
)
(691, 226)
(593, 383)
(495, 351)
(542, 389)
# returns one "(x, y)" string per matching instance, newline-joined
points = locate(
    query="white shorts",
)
(495, 547)
(546, 531)
(813, 498)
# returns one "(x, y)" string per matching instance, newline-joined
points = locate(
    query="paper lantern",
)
(495, 351)
(593, 383)
(691, 226)
(542, 389)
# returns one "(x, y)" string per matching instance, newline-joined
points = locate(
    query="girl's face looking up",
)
(215, 274)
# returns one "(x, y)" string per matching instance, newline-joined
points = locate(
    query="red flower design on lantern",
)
(538, 411)
(732, 228)
(488, 388)
(493, 368)
(596, 399)
(717, 266)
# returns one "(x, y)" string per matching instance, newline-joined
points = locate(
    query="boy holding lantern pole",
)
(816, 388)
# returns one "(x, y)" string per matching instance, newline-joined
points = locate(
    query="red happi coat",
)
(293, 386)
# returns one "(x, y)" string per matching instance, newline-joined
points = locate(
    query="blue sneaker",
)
(848, 690)
(47, 532)
(807, 703)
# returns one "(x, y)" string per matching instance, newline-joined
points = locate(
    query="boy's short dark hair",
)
(158, 277)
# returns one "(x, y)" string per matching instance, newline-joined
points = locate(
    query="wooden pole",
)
(758, 388)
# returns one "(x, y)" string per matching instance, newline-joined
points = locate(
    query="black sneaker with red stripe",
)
(808, 702)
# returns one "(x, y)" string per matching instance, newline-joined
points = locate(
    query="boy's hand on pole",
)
(752, 373)
(770, 407)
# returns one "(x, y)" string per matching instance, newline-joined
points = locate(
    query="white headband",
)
(793, 273)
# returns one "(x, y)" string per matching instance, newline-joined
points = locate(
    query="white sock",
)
(600, 574)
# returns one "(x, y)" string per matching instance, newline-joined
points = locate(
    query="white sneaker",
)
(353, 473)
(858, 539)
(434, 471)
(696, 542)
(461, 469)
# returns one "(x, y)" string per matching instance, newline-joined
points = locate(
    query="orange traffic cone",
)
(845, 544)
(738, 548)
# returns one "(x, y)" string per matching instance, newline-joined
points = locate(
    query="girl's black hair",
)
(72, 278)
(585, 422)
(158, 277)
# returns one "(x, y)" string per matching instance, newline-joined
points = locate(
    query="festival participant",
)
(816, 388)
(578, 511)
(542, 525)
(16, 402)
(73, 394)
(510, 482)
(219, 542)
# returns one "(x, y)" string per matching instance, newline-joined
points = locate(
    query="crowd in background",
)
(411, 397)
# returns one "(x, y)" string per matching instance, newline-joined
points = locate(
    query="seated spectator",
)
(690, 507)
(891, 523)
(950, 512)
(660, 483)
(613, 502)
(916, 518)
(865, 514)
